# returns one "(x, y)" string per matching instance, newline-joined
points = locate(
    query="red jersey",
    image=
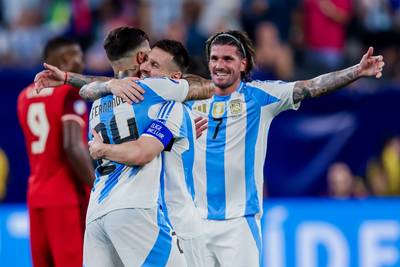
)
(322, 31)
(51, 181)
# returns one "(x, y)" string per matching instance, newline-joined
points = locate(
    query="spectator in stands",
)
(325, 24)
(391, 164)
(340, 181)
(273, 58)
(278, 12)
(25, 33)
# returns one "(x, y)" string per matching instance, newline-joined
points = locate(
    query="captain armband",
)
(161, 132)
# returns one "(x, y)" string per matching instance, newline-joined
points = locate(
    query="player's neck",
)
(228, 90)
(122, 71)
(126, 73)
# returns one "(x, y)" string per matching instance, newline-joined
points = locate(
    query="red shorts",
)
(56, 236)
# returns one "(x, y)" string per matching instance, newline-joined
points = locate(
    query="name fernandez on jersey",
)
(118, 186)
(106, 107)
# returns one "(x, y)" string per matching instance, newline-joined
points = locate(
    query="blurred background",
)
(332, 167)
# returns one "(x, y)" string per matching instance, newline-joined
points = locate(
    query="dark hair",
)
(241, 41)
(56, 43)
(177, 50)
(123, 40)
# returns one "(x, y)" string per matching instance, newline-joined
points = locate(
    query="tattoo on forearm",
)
(199, 88)
(325, 83)
(94, 90)
(79, 80)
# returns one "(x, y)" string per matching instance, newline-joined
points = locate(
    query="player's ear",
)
(176, 75)
(243, 64)
(141, 57)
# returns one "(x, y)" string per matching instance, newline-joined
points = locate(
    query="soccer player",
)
(54, 124)
(229, 156)
(168, 59)
(125, 197)
(125, 225)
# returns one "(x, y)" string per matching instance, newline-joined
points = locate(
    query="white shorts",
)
(194, 250)
(233, 243)
(131, 237)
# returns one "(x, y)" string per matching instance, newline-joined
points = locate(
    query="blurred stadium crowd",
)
(295, 39)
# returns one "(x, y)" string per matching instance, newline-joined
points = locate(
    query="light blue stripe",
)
(163, 109)
(161, 199)
(141, 110)
(215, 165)
(159, 254)
(111, 181)
(255, 231)
(172, 104)
(189, 104)
(253, 111)
(188, 155)
(262, 97)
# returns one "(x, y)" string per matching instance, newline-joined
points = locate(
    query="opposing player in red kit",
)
(61, 172)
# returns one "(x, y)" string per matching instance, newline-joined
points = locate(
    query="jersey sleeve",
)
(168, 124)
(75, 108)
(278, 93)
(166, 88)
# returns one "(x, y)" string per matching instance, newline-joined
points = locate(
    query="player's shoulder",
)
(264, 84)
(162, 84)
(66, 90)
(23, 94)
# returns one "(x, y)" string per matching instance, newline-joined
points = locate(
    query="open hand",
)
(50, 77)
(127, 89)
(371, 65)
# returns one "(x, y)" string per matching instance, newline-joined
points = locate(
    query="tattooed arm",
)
(80, 80)
(199, 88)
(127, 89)
(324, 84)
(53, 76)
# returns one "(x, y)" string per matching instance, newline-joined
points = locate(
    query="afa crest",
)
(218, 109)
(235, 107)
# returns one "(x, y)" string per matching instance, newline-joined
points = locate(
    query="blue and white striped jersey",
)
(177, 183)
(229, 156)
(118, 186)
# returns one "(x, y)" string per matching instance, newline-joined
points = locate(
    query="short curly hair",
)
(120, 41)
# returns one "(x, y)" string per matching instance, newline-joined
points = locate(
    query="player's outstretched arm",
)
(199, 88)
(76, 151)
(53, 76)
(125, 88)
(133, 153)
(369, 66)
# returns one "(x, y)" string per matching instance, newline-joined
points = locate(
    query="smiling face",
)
(159, 64)
(226, 65)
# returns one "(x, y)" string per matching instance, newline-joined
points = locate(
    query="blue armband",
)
(161, 132)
